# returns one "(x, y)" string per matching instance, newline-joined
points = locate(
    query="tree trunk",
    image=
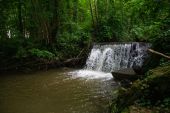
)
(91, 11)
(75, 13)
(54, 24)
(20, 19)
(96, 10)
(158, 53)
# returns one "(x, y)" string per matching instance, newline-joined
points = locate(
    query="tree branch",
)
(158, 53)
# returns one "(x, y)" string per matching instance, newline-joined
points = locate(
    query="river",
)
(54, 91)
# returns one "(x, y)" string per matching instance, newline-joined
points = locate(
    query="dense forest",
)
(55, 32)
(53, 29)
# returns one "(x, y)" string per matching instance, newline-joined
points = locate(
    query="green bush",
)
(41, 53)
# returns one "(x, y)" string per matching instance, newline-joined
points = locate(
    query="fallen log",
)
(158, 53)
(71, 60)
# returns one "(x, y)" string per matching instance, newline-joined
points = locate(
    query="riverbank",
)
(33, 64)
(151, 94)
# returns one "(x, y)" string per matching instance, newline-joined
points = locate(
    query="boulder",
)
(125, 74)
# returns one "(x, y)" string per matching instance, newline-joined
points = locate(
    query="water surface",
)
(54, 91)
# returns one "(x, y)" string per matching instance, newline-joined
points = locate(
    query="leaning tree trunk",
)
(158, 53)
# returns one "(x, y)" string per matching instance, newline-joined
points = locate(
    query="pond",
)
(54, 91)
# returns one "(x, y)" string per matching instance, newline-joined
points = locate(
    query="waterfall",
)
(104, 59)
(111, 57)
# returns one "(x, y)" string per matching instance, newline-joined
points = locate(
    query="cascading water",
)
(108, 58)
(104, 59)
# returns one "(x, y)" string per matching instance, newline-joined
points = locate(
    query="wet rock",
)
(125, 74)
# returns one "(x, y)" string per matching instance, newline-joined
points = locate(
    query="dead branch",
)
(158, 53)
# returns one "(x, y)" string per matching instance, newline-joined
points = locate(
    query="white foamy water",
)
(105, 59)
(108, 58)
(90, 74)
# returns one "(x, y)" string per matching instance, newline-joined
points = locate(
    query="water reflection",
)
(53, 91)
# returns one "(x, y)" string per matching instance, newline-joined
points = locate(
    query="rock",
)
(124, 74)
(155, 88)
(138, 69)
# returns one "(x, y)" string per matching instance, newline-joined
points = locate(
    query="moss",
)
(155, 87)
(138, 109)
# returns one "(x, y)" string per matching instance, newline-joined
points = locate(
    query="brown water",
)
(53, 91)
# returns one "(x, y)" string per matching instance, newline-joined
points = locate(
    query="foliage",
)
(61, 25)
(152, 91)
(41, 53)
(46, 29)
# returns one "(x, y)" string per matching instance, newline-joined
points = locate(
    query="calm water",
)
(53, 91)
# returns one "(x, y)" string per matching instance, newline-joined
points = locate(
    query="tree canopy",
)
(61, 25)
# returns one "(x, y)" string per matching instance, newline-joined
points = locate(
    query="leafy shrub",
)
(70, 44)
(41, 53)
